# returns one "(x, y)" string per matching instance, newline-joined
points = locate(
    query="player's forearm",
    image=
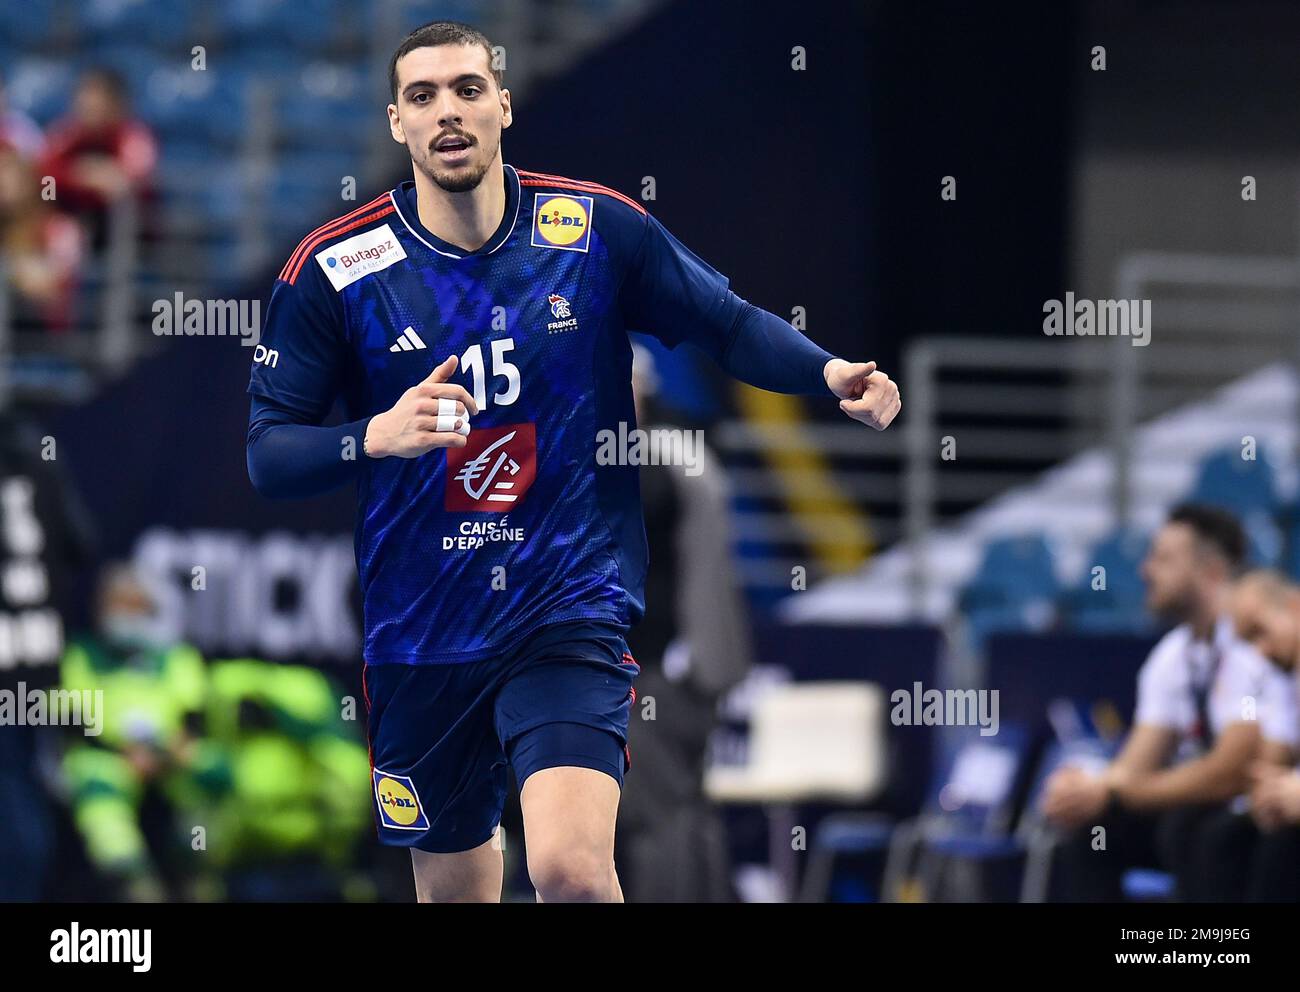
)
(1205, 780)
(293, 461)
(767, 352)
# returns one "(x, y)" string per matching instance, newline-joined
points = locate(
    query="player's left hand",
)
(865, 394)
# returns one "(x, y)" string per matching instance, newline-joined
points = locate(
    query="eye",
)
(472, 90)
(420, 97)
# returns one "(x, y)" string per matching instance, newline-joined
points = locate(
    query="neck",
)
(467, 219)
(1205, 617)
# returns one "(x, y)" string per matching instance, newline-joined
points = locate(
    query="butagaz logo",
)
(657, 446)
(562, 221)
(563, 314)
(399, 806)
(77, 946)
(408, 340)
(1099, 318)
(372, 251)
(494, 470)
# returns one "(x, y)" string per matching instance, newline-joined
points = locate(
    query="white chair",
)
(808, 742)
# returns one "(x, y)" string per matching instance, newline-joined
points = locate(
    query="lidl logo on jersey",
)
(562, 221)
(371, 251)
(494, 470)
(399, 806)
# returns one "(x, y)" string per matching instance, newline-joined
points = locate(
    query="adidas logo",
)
(408, 341)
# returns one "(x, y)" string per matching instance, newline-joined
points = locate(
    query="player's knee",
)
(572, 876)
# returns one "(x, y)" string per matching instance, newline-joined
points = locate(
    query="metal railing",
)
(1112, 385)
(1216, 318)
(105, 336)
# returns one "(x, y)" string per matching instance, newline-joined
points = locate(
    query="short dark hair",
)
(1214, 527)
(437, 33)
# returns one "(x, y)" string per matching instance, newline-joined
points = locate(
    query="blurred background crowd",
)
(1043, 513)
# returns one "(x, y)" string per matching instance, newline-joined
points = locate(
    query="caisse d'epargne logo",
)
(494, 470)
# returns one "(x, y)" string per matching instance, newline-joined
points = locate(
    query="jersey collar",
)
(404, 202)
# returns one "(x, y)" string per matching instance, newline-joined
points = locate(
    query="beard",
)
(460, 180)
(1172, 607)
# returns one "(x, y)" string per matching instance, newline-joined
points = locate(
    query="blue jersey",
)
(463, 552)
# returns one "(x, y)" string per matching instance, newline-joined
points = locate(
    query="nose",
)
(448, 111)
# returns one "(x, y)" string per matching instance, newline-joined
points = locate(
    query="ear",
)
(395, 125)
(506, 115)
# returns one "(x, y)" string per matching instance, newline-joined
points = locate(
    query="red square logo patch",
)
(493, 471)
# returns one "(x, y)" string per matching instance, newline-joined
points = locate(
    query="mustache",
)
(467, 138)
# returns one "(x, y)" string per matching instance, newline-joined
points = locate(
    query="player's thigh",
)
(570, 805)
(465, 876)
(562, 718)
(569, 816)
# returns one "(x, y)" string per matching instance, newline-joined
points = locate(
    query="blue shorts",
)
(441, 735)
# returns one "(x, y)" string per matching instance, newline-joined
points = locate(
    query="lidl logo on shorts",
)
(562, 221)
(399, 806)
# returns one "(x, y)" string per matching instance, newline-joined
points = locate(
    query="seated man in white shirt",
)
(1206, 703)
(1266, 607)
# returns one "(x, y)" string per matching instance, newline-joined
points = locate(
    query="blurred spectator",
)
(235, 779)
(18, 131)
(40, 249)
(692, 647)
(100, 155)
(124, 783)
(1266, 607)
(298, 801)
(45, 543)
(1208, 706)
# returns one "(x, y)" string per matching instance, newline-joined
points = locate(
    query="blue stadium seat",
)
(1226, 479)
(182, 104)
(40, 87)
(969, 814)
(304, 24)
(327, 104)
(1145, 885)
(34, 25)
(1118, 608)
(839, 836)
(413, 13)
(134, 61)
(306, 190)
(1291, 555)
(1014, 587)
(1248, 489)
(164, 25)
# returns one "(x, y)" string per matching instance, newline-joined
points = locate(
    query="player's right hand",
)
(411, 427)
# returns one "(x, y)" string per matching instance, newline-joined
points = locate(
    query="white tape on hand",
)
(447, 417)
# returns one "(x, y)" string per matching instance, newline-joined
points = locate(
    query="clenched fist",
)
(865, 394)
(411, 427)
